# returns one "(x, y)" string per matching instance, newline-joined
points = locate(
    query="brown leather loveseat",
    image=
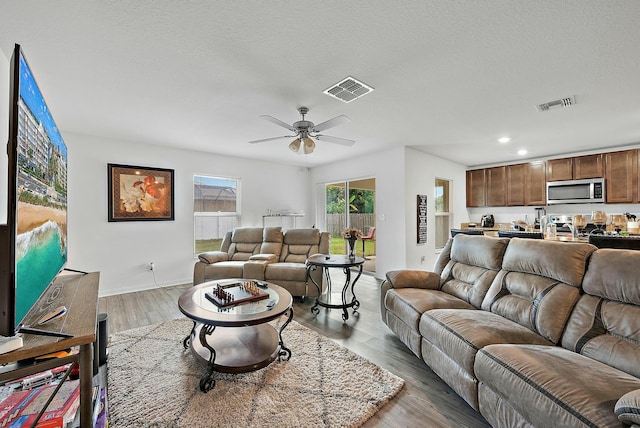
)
(267, 254)
(528, 332)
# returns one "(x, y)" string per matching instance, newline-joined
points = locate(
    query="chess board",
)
(239, 295)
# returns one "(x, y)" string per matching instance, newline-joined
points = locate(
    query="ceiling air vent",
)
(563, 102)
(348, 90)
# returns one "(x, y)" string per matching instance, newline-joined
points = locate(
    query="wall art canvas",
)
(140, 193)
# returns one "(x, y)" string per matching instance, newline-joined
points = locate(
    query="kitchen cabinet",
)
(591, 166)
(476, 188)
(516, 186)
(622, 176)
(496, 186)
(575, 168)
(535, 192)
(560, 169)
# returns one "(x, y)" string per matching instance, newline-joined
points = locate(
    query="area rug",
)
(153, 381)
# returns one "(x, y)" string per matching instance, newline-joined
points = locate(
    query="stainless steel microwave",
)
(589, 191)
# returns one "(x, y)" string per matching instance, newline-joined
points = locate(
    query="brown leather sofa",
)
(528, 332)
(265, 254)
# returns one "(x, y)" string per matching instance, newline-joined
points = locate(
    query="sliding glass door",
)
(352, 204)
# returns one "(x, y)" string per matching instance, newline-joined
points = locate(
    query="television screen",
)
(38, 215)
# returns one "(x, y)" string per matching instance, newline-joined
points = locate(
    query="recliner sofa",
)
(265, 254)
(528, 332)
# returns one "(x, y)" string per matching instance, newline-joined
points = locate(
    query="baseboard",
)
(142, 287)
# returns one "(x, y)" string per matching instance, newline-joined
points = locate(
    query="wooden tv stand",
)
(79, 293)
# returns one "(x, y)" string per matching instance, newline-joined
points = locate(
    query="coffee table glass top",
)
(248, 308)
(196, 306)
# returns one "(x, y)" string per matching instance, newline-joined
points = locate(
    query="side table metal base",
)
(323, 263)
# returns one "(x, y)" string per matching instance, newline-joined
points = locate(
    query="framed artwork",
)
(421, 217)
(138, 193)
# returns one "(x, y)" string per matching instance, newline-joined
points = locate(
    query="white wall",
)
(421, 172)
(401, 174)
(122, 250)
(388, 170)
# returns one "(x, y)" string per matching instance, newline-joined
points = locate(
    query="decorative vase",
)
(352, 245)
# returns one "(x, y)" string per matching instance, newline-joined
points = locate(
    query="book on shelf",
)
(100, 416)
(21, 408)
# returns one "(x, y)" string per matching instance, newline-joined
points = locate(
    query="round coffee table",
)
(235, 338)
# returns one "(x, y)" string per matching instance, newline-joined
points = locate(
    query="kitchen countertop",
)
(493, 231)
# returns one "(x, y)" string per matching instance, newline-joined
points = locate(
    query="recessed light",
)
(522, 152)
(504, 140)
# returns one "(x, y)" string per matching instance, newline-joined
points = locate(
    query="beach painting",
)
(140, 193)
(41, 215)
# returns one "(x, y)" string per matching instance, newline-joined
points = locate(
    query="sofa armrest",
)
(213, 257)
(628, 408)
(413, 279)
(271, 258)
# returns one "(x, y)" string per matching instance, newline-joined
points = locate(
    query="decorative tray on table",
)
(235, 293)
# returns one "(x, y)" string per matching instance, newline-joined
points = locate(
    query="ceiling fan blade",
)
(338, 120)
(278, 122)
(271, 139)
(337, 140)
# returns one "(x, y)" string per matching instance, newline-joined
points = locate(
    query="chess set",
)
(234, 294)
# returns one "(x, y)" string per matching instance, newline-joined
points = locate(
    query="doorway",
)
(352, 204)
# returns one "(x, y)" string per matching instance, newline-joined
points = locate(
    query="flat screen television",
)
(33, 243)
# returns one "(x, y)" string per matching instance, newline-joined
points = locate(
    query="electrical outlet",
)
(151, 266)
(422, 259)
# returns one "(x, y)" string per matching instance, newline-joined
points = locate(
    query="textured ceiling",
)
(450, 77)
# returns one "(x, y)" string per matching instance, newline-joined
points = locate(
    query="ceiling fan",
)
(305, 131)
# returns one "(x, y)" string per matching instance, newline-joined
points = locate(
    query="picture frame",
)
(139, 193)
(421, 218)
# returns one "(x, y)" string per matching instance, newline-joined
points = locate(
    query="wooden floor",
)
(425, 400)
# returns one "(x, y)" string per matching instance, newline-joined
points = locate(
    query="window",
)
(443, 211)
(216, 210)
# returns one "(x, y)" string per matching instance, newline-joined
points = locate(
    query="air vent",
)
(348, 90)
(563, 102)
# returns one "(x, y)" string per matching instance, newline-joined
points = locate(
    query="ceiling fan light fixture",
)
(309, 146)
(295, 145)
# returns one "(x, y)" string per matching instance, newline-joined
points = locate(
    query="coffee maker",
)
(487, 220)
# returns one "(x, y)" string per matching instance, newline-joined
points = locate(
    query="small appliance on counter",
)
(487, 220)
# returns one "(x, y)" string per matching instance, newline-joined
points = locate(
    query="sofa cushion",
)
(286, 272)
(272, 241)
(473, 264)
(538, 284)
(551, 259)
(245, 241)
(551, 386)
(479, 251)
(461, 333)
(408, 304)
(299, 244)
(605, 324)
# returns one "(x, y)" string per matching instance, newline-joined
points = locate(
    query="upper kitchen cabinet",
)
(476, 185)
(591, 166)
(622, 176)
(576, 168)
(516, 186)
(560, 169)
(496, 186)
(535, 192)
